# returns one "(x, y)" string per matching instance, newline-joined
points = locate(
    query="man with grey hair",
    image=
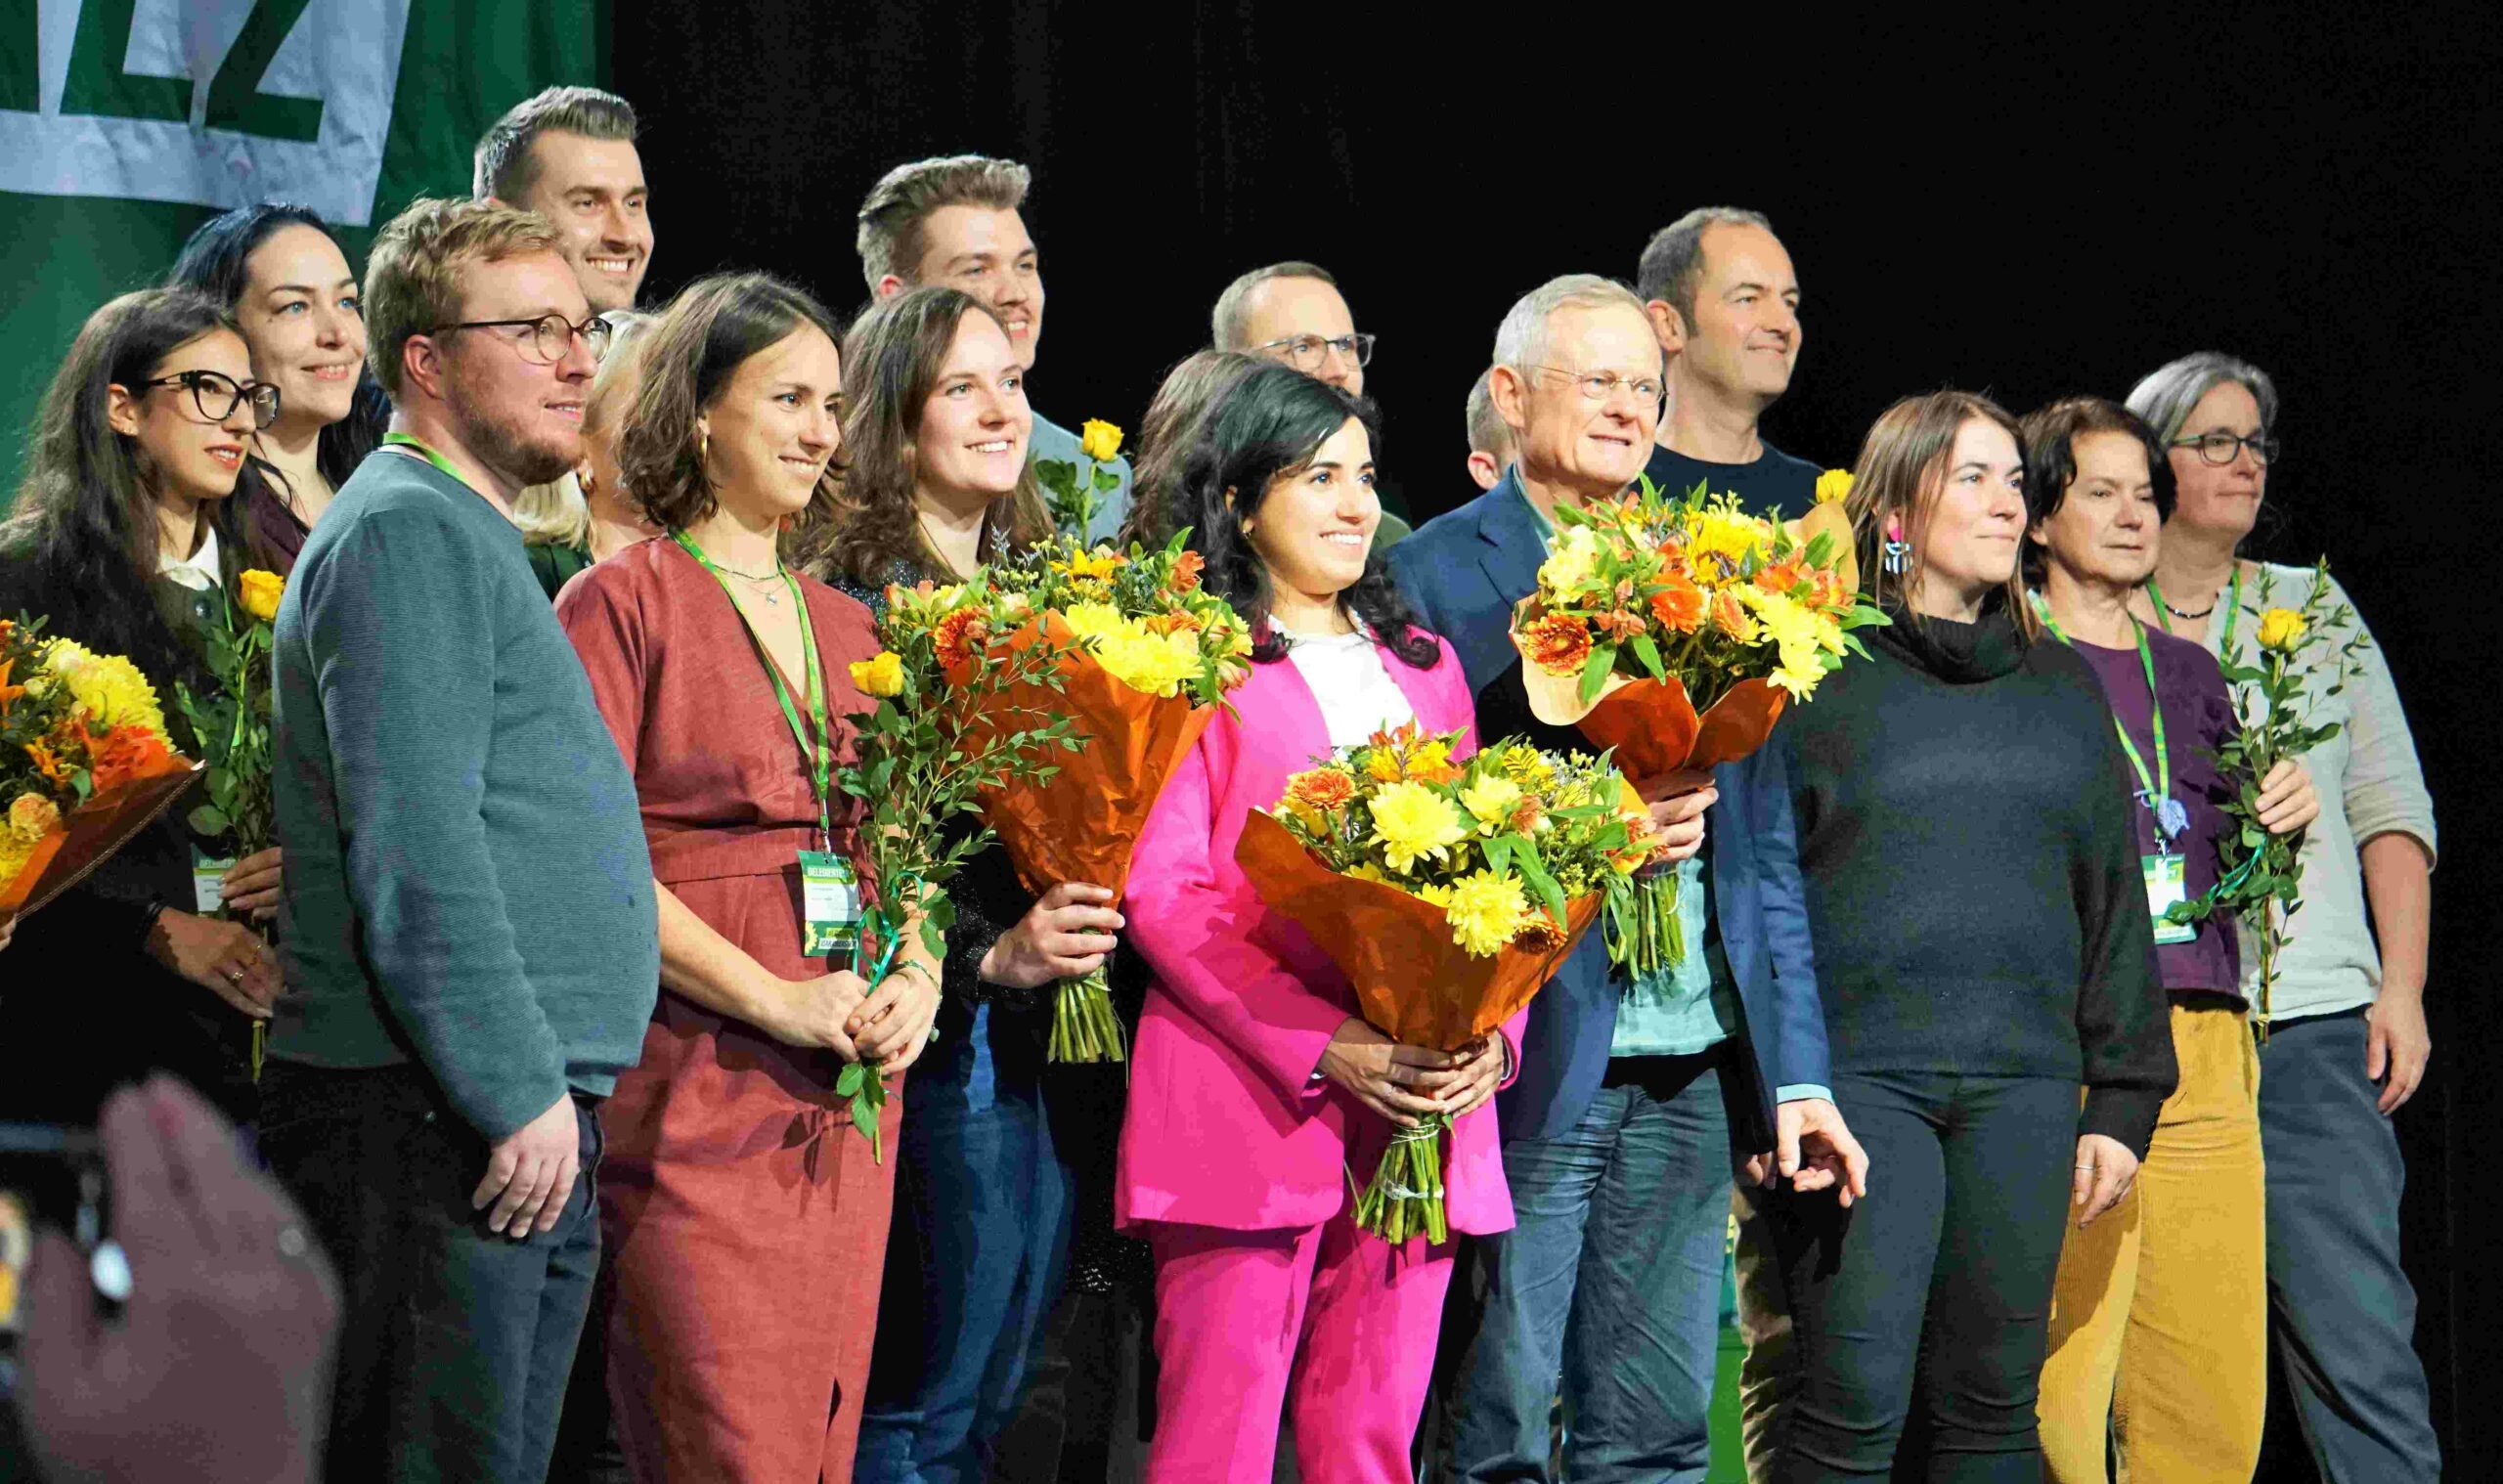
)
(568, 154)
(1635, 1093)
(1490, 442)
(959, 221)
(1723, 300)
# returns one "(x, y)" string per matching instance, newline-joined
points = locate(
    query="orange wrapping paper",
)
(1414, 982)
(88, 835)
(1652, 724)
(1082, 825)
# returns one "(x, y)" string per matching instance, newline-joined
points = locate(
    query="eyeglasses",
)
(2222, 448)
(217, 395)
(1600, 387)
(1305, 353)
(551, 335)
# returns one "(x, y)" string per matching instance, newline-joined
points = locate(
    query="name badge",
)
(2166, 890)
(208, 883)
(829, 905)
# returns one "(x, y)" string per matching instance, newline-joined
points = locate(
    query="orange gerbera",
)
(1323, 788)
(1186, 570)
(1539, 935)
(958, 636)
(1558, 643)
(1679, 606)
(1732, 618)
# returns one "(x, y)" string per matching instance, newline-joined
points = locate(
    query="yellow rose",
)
(1100, 441)
(2280, 628)
(1833, 485)
(260, 592)
(33, 816)
(880, 676)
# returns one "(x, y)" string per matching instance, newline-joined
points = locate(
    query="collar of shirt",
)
(198, 571)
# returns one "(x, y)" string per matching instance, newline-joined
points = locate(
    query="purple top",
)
(2198, 717)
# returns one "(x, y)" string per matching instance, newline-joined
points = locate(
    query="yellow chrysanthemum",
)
(1485, 912)
(2279, 628)
(1411, 821)
(1094, 620)
(1833, 485)
(1491, 800)
(108, 687)
(1792, 626)
(1154, 664)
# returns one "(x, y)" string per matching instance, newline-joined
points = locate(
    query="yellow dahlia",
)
(1411, 821)
(108, 687)
(1485, 912)
(1491, 799)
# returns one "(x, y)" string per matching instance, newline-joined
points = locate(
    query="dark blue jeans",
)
(975, 1261)
(2342, 1307)
(1609, 1280)
(456, 1343)
(1946, 1267)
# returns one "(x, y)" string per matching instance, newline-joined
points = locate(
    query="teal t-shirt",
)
(1692, 1005)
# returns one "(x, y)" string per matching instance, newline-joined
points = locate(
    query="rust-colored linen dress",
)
(743, 1221)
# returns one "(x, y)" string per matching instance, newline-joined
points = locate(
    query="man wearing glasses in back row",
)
(1293, 312)
(471, 944)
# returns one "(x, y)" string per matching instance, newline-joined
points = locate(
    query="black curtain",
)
(2043, 207)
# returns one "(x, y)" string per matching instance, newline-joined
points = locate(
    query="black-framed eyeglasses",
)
(551, 335)
(1307, 353)
(2222, 448)
(1599, 388)
(217, 395)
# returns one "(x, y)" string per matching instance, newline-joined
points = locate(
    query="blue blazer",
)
(1464, 571)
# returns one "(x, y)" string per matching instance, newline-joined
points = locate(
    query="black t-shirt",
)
(1775, 485)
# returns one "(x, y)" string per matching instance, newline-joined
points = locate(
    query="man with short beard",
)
(472, 948)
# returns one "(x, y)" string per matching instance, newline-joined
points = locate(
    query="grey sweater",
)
(466, 881)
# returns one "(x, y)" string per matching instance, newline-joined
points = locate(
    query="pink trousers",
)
(1333, 1319)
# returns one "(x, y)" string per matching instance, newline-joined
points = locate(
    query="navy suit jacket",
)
(1464, 571)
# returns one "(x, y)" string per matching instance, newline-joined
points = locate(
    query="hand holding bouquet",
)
(1447, 890)
(84, 761)
(1145, 655)
(2260, 874)
(1674, 632)
(938, 736)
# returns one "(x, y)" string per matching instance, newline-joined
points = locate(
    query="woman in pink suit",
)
(1256, 1086)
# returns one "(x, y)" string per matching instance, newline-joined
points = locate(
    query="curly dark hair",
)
(1267, 426)
(687, 358)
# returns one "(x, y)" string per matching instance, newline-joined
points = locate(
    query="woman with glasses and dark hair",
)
(124, 539)
(1257, 1084)
(2159, 1325)
(1983, 948)
(280, 273)
(2347, 1043)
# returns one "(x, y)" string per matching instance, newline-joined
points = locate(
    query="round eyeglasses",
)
(217, 395)
(551, 335)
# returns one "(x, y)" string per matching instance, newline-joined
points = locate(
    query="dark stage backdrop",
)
(2026, 211)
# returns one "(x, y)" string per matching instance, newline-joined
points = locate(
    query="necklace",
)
(2188, 617)
(768, 585)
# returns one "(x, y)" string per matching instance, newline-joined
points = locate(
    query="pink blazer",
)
(1226, 1127)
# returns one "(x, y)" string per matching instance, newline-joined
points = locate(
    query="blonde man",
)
(961, 222)
(471, 945)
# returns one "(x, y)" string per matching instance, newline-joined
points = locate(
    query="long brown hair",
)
(890, 364)
(1170, 431)
(1898, 478)
(687, 358)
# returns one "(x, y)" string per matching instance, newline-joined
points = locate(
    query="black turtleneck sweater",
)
(1972, 873)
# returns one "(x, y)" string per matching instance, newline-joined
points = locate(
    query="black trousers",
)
(456, 1343)
(1943, 1272)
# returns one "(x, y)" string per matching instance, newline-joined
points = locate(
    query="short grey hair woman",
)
(2347, 1040)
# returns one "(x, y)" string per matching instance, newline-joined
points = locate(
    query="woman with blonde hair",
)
(746, 1221)
(1983, 948)
(585, 514)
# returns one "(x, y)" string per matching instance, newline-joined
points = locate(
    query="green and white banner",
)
(125, 123)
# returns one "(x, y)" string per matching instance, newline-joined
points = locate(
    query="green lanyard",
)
(2155, 792)
(820, 752)
(404, 440)
(2233, 609)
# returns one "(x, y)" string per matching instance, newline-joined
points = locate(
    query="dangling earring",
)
(1898, 555)
(703, 447)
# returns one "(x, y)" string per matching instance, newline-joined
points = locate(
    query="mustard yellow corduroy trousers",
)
(2160, 1322)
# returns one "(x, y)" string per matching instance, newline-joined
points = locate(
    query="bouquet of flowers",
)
(1673, 632)
(938, 736)
(231, 725)
(1144, 655)
(1447, 890)
(84, 761)
(1074, 497)
(2261, 874)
